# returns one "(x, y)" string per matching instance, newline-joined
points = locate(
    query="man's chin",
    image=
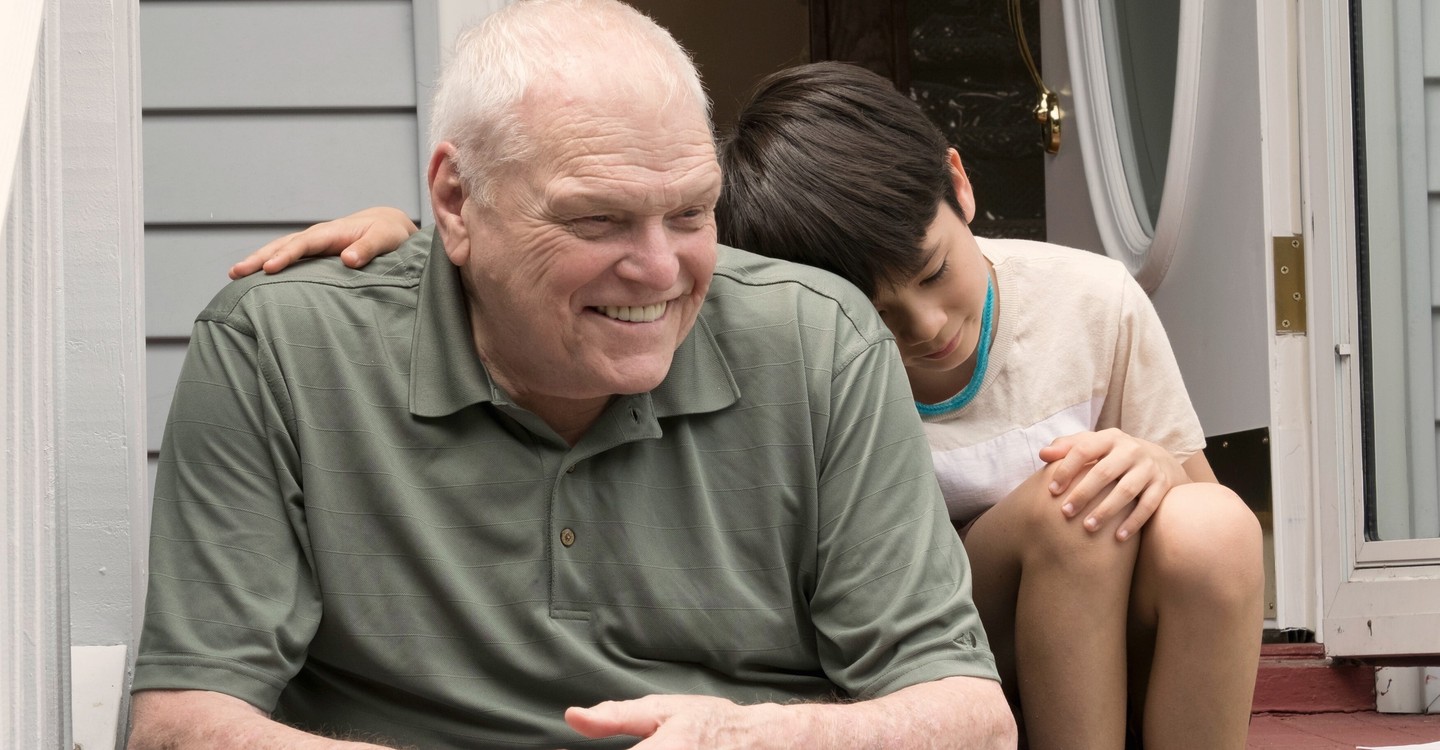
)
(639, 374)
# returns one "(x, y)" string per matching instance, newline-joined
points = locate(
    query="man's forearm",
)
(181, 719)
(958, 712)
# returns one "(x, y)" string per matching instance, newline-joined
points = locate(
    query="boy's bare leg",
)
(1197, 607)
(1053, 598)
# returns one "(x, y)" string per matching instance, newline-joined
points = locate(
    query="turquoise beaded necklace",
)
(987, 332)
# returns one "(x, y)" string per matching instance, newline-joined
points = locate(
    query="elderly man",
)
(561, 452)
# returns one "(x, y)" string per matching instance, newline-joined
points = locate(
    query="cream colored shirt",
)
(1077, 347)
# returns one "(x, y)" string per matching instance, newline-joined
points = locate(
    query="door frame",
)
(1377, 599)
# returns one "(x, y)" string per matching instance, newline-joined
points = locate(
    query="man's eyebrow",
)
(585, 198)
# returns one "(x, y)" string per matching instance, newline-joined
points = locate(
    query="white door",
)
(1371, 110)
(1295, 126)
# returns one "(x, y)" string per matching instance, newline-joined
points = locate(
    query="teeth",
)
(635, 314)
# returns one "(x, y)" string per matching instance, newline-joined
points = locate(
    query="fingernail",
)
(1068, 509)
(1091, 523)
(1054, 488)
(1123, 534)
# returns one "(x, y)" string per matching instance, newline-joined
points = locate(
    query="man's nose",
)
(653, 259)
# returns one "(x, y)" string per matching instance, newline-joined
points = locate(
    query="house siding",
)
(260, 117)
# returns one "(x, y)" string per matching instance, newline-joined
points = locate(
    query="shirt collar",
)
(446, 375)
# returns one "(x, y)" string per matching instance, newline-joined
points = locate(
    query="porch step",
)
(1299, 679)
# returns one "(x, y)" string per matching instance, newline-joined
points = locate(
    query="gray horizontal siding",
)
(162, 369)
(262, 54)
(186, 265)
(287, 167)
(260, 117)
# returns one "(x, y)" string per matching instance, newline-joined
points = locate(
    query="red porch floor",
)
(1304, 701)
(1337, 731)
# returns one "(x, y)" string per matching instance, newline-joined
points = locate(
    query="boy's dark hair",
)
(830, 166)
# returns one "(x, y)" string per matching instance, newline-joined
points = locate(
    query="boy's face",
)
(936, 315)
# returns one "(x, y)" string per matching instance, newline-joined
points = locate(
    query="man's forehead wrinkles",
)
(683, 165)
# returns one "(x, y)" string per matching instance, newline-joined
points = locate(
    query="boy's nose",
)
(922, 326)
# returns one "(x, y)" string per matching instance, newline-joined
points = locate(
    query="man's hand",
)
(685, 721)
(1134, 469)
(966, 712)
(356, 238)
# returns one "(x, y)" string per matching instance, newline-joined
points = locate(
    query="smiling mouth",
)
(946, 350)
(634, 313)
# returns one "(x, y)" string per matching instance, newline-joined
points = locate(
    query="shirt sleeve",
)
(232, 601)
(892, 605)
(1147, 396)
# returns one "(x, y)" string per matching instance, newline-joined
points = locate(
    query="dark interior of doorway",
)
(957, 58)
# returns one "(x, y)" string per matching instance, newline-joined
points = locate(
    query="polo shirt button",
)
(567, 537)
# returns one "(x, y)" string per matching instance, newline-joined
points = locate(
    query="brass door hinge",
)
(1289, 285)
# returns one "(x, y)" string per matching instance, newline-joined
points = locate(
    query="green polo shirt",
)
(355, 527)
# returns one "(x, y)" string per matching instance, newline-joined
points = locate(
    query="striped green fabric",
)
(355, 528)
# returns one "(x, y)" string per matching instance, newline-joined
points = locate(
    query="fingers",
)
(1115, 462)
(357, 239)
(1122, 469)
(1057, 449)
(636, 718)
(256, 260)
(1148, 503)
(1109, 501)
(368, 247)
(313, 241)
(1072, 453)
(279, 253)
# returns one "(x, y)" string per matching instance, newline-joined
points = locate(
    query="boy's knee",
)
(1205, 539)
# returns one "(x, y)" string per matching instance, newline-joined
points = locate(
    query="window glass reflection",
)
(1141, 40)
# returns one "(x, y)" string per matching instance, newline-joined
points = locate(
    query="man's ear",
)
(447, 198)
(963, 191)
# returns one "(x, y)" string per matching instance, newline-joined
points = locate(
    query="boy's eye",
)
(938, 275)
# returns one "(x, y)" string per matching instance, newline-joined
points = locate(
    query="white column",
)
(34, 652)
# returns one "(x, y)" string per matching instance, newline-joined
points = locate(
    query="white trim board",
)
(19, 39)
(97, 682)
(33, 657)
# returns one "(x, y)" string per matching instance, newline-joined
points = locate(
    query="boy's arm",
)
(1197, 467)
(356, 238)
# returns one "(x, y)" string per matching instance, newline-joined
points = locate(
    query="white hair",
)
(477, 100)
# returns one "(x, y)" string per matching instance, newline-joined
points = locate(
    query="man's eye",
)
(592, 226)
